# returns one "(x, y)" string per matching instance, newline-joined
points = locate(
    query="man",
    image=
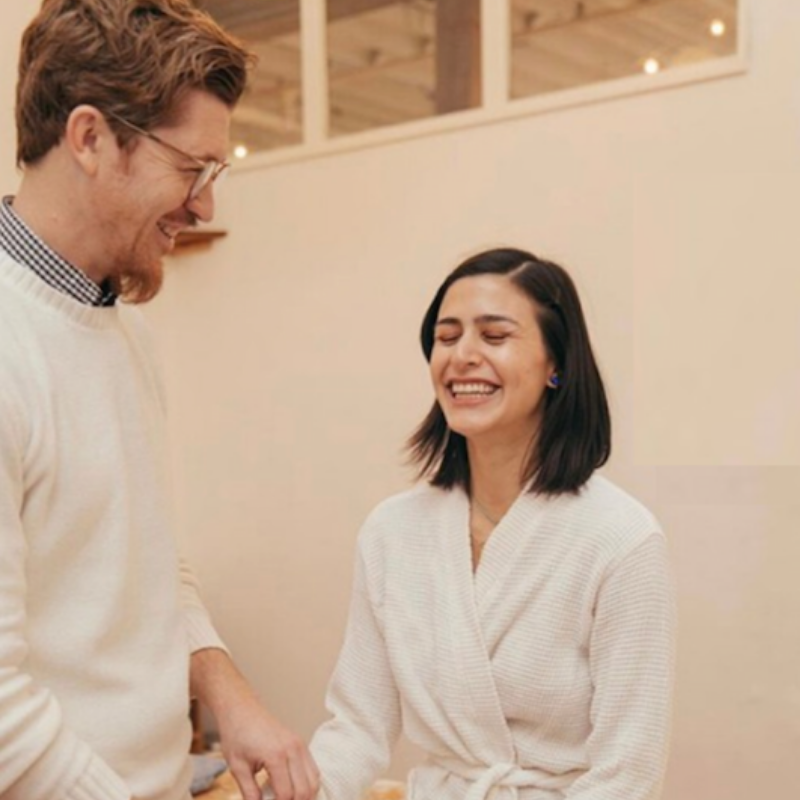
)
(123, 108)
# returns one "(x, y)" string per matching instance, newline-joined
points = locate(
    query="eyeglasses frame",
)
(210, 170)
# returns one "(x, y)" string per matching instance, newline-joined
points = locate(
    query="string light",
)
(717, 28)
(240, 151)
(651, 66)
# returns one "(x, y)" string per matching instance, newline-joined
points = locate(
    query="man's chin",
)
(139, 285)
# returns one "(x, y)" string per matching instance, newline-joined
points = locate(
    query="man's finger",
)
(303, 788)
(312, 773)
(281, 780)
(246, 780)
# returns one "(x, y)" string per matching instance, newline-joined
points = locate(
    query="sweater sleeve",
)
(199, 628)
(631, 656)
(200, 631)
(40, 758)
(354, 747)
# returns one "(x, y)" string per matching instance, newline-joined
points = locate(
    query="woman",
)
(513, 614)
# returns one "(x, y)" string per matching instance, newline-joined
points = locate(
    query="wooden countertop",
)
(225, 788)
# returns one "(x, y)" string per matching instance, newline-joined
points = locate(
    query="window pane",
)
(560, 44)
(270, 113)
(391, 61)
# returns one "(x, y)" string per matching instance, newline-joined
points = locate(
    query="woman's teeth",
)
(472, 388)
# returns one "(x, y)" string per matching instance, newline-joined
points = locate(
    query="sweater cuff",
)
(69, 770)
(99, 782)
(201, 632)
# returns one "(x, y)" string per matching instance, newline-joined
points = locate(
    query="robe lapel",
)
(487, 728)
(502, 550)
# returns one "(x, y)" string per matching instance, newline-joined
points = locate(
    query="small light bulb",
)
(240, 151)
(651, 66)
(717, 28)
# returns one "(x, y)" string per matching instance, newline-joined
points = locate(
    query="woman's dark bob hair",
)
(575, 434)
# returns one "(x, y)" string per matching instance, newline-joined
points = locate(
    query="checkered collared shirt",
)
(24, 246)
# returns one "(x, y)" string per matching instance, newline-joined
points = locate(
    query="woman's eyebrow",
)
(483, 319)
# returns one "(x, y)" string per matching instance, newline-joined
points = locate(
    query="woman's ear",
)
(554, 381)
(87, 136)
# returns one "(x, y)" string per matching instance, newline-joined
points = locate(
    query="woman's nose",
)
(467, 352)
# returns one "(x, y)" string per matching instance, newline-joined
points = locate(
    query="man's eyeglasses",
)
(207, 172)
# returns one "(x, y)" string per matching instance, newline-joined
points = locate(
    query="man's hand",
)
(252, 739)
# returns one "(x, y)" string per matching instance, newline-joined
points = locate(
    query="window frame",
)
(497, 105)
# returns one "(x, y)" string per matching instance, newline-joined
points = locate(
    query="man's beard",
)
(137, 285)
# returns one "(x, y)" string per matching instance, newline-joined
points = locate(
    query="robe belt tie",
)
(505, 775)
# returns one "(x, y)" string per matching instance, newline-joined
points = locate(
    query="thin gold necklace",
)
(484, 513)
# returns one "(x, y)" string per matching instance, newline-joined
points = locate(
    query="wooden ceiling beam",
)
(458, 55)
(266, 19)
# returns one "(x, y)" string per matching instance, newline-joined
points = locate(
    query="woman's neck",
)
(496, 474)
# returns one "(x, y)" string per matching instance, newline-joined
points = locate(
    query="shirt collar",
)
(24, 246)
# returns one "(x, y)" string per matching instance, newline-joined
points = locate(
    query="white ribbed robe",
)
(545, 675)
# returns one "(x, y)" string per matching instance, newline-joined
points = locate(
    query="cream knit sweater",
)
(546, 675)
(95, 625)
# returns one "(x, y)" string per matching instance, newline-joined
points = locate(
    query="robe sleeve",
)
(354, 747)
(632, 654)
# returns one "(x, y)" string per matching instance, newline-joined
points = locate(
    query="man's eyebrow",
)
(210, 157)
(204, 158)
(482, 319)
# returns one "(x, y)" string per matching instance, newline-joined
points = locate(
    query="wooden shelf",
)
(197, 237)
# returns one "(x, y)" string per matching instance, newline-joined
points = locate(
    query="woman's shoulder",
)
(606, 498)
(405, 518)
(607, 514)
(408, 508)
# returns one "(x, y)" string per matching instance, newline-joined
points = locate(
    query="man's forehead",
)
(202, 123)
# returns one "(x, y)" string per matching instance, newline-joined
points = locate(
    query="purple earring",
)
(555, 381)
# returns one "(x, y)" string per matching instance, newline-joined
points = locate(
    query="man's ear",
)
(88, 137)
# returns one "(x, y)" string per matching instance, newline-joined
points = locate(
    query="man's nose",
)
(202, 206)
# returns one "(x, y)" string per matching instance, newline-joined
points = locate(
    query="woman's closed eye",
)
(495, 337)
(447, 338)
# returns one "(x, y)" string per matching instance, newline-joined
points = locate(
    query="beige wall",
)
(294, 375)
(15, 17)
